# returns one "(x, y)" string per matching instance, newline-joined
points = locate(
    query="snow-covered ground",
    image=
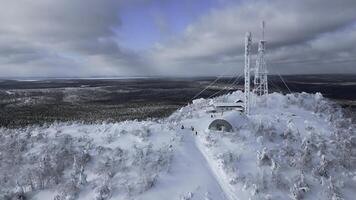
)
(299, 146)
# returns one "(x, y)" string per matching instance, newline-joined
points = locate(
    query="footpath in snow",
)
(190, 176)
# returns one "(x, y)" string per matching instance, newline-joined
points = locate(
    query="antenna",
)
(260, 72)
(248, 44)
(263, 30)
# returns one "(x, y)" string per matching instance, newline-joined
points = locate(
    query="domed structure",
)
(220, 125)
(229, 122)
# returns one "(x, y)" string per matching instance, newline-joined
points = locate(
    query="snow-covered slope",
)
(299, 146)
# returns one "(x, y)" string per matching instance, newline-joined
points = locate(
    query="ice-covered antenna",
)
(248, 43)
(260, 72)
(263, 30)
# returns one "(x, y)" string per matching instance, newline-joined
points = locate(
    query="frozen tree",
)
(19, 193)
(287, 153)
(103, 192)
(68, 191)
(146, 182)
(278, 179)
(291, 133)
(322, 147)
(187, 196)
(299, 188)
(229, 161)
(210, 140)
(262, 181)
(207, 196)
(264, 158)
(142, 133)
(322, 169)
(268, 131)
(107, 166)
(82, 176)
(333, 191)
(345, 150)
(110, 137)
(44, 172)
(305, 161)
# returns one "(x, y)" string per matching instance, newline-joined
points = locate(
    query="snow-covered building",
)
(229, 122)
(226, 106)
(221, 125)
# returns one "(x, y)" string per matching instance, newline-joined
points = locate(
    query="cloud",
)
(61, 38)
(79, 38)
(316, 29)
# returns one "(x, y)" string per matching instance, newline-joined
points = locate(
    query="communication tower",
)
(248, 44)
(260, 72)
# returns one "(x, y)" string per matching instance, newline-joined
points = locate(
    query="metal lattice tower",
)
(248, 44)
(260, 72)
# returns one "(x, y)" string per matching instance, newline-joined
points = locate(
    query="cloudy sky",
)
(85, 38)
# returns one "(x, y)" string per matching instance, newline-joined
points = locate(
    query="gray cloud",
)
(63, 38)
(296, 30)
(77, 38)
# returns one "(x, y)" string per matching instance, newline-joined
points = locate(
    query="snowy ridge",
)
(298, 147)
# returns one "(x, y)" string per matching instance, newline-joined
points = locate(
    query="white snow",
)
(300, 146)
(9, 92)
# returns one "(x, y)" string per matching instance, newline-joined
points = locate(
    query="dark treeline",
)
(46, 101)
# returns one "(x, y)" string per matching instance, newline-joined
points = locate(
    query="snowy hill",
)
(300, 146)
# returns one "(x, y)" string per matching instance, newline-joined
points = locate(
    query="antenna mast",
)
(248, 43)
(260, 78)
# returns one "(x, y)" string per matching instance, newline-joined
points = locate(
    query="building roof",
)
(237, 105)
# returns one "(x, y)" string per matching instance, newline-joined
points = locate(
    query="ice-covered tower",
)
(260, 73)
(248, 44)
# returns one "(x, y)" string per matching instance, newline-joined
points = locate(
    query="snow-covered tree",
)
(103, 192)
(264, 158)
(299, 188)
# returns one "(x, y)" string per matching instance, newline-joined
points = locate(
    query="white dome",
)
(229, 121)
